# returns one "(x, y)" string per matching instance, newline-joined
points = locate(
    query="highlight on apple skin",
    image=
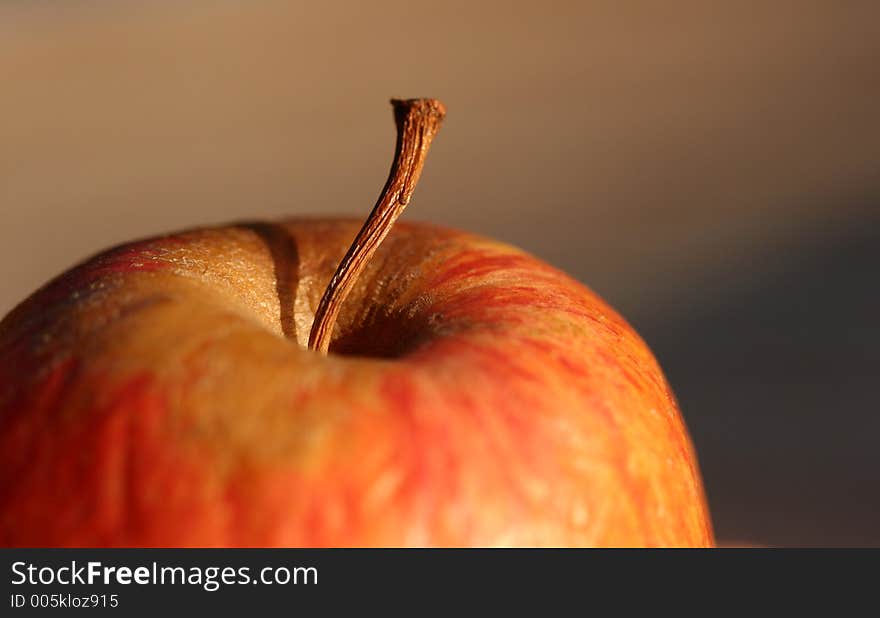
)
(161, 394)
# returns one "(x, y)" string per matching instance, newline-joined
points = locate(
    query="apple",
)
(209, 388)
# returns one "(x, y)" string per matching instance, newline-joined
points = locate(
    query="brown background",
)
(713, 169)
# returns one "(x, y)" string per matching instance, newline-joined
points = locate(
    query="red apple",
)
(161, 394)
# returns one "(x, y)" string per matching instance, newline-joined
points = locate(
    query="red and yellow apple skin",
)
(160, 395)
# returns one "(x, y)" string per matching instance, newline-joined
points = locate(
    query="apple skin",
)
(474, 396)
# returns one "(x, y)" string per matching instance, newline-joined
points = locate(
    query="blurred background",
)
(712, 169)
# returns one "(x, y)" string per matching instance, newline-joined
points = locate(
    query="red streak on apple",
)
(473, 396)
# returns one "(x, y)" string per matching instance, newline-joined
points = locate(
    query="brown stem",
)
(418, 121)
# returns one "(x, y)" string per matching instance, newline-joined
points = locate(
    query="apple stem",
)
(418, 121)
